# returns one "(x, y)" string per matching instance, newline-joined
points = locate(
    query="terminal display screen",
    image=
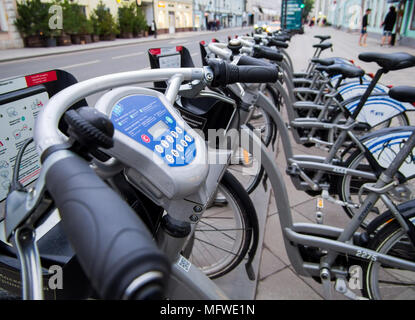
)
(158, 129)
(17, 120)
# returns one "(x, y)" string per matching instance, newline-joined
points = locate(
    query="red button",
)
(145, 138)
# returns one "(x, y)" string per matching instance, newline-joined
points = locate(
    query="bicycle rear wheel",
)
(223, 235)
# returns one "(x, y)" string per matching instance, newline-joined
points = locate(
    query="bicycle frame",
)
(321, 236)
(185, 283)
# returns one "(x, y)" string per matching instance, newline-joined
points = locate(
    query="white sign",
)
(17, 121)
(170, 61)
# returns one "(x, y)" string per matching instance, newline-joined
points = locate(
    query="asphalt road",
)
(92, 63)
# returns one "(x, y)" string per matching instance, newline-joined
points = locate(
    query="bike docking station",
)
(240, 283)
(21, 100)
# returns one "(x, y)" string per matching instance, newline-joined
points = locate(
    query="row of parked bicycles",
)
(146, 195)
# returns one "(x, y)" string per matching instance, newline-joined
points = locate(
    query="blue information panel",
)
(146, 120)
(291, 14)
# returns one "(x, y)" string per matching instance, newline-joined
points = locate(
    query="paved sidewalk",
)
(23, 53)
(277, 279)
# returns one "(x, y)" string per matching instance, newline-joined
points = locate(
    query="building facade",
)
(228, 13)
(347, 14)
(9, 36)
(170, 15)
(262, 10)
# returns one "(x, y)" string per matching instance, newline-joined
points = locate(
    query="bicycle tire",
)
(390, 239)
(247, 217)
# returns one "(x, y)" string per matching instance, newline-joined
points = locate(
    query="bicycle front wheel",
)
(223, 235)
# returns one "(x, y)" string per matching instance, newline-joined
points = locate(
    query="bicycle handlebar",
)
(113, 246)
(251, 61)
(267, 53)
(220, 49)
(225, 73)
(46, 133)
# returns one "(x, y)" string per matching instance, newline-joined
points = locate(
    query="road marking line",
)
(178, 41)
(80, 64)
(128, 55)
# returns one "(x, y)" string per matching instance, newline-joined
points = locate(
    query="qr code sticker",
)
(184, 264)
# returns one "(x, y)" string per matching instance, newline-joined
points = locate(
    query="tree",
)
(32, 18)
(103, 22)
(308, 6)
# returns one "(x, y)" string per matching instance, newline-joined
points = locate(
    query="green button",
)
(169, 120)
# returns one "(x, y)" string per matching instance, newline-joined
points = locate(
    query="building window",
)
(413, 18)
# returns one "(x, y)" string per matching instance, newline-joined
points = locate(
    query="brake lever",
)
(31, 270)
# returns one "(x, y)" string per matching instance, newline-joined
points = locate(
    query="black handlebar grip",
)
(112, 244)
(225, 73)
(267, 53)
(277, 43)
(282, 38)
(257, 74)
(250, 61)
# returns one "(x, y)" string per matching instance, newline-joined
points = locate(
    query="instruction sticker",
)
(17, 120)
(170, 61)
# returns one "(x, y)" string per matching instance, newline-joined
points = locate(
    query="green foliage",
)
(308, 6)
(86, 27)
(140, 22)
(32, 18)
(126, 18)
(73, 16)
(103, 22)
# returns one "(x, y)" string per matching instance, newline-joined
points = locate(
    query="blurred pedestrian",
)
(363, 32)
(154, 28)
(388, 25)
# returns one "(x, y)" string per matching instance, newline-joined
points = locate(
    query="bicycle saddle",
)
(347, 71)
(389, 61)
(322, 37)
(324, 62)
(323, 45)
(403, 93)
(321, 67)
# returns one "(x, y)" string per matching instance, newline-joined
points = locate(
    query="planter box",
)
(109, 37)
(86, 38)
(64, 40)
(34, 42)
(50, 42)
(126, 35)
(76, 39)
